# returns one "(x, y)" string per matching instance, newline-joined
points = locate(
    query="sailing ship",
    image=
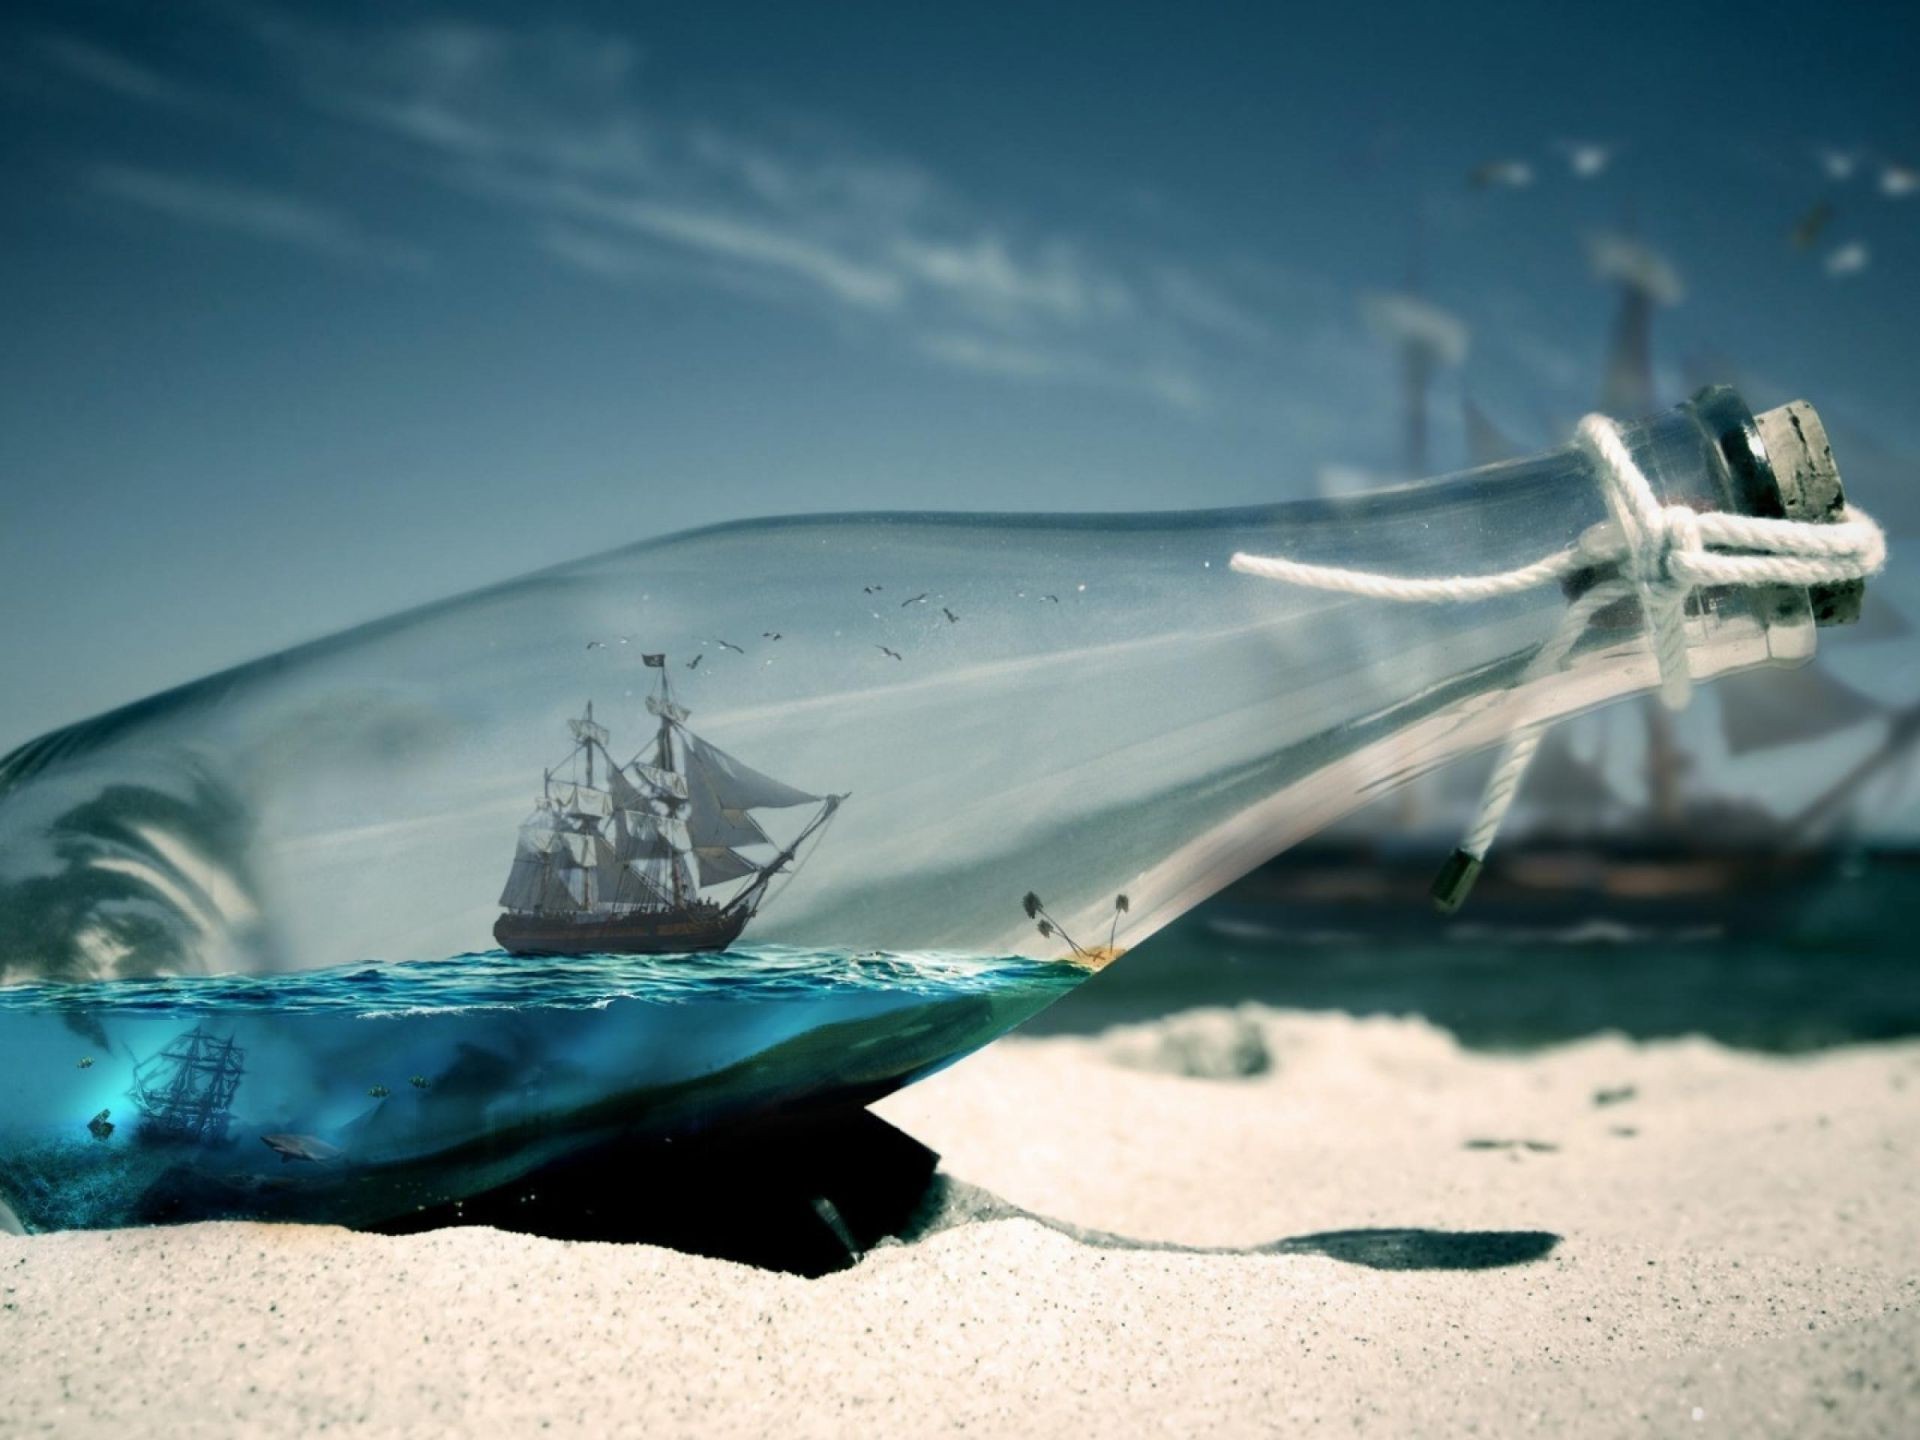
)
(635, 863)
(186, 1090)
(1636, 827)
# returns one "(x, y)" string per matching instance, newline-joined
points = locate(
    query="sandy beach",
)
(1373, 1232)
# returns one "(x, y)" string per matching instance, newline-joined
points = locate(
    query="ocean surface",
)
(370, 1089)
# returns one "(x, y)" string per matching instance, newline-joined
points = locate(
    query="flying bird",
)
(1586, 159)
(1054, 598)
(1849, 259)
(769, 634)
(1507, 174)
(1838, 164)
(890, 654)
(873, 589)
(694, 663)
(1806, 230)
(596, 644)
(914, 600)
(727, 645)
(952, 619)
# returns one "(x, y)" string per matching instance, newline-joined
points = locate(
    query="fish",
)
(86, 1063)
(301, 1147)
(378, 1092)
(420, 1082)
(101, 1126)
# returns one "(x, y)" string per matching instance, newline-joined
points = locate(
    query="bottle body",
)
(1077, 706)
(917, 774)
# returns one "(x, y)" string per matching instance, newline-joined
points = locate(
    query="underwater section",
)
(362, 1092)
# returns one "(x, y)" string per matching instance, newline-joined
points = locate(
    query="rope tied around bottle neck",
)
(1660, 553)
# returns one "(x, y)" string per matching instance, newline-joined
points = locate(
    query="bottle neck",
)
(1348, 698)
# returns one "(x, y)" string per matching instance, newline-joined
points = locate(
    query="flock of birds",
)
(1893, 179)
(772, 636)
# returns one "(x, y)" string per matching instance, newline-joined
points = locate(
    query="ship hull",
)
(640, 933)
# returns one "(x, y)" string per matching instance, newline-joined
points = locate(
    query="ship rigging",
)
(185, 1091)
(624, 864)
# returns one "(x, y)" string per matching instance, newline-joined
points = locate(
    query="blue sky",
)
(316, 313)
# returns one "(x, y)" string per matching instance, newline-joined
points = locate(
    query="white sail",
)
(653, 837)
(525, 881)
(736, 785)
(626, 795)
(582, 800)
(670, 781)
(718, 864)
(666, 708)
(587, 731)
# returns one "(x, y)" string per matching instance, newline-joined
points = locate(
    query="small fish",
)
(769, 634)
(101, 1126)
(914, 601)
(727, 645)
(309, 1148)
(890, 654)
(952, 619)
(694, 663)
(86, 1063)
(378, 1092)
(420, 1082)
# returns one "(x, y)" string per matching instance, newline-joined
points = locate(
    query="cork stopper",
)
(1803, 465)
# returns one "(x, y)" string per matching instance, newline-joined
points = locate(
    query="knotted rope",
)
(1662, 554)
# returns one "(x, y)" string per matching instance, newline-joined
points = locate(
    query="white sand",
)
(1743, 1264)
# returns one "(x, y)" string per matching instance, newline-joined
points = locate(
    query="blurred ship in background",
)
(1756, 808)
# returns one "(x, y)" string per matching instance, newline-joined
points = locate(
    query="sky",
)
(315, 314)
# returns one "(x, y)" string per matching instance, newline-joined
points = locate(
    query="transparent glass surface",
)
(865, 791)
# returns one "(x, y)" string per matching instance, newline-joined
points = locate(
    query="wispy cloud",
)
(107, 70)
(244, 210)
(620, 187)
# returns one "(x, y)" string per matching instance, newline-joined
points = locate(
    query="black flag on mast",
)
(654, 662)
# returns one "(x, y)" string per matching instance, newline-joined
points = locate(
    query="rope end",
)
(1455, 881)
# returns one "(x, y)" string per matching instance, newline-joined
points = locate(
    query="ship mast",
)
(666, 763)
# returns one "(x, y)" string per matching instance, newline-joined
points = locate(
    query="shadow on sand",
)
(810, 1195)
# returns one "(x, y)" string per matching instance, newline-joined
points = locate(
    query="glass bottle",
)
(845, 796)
